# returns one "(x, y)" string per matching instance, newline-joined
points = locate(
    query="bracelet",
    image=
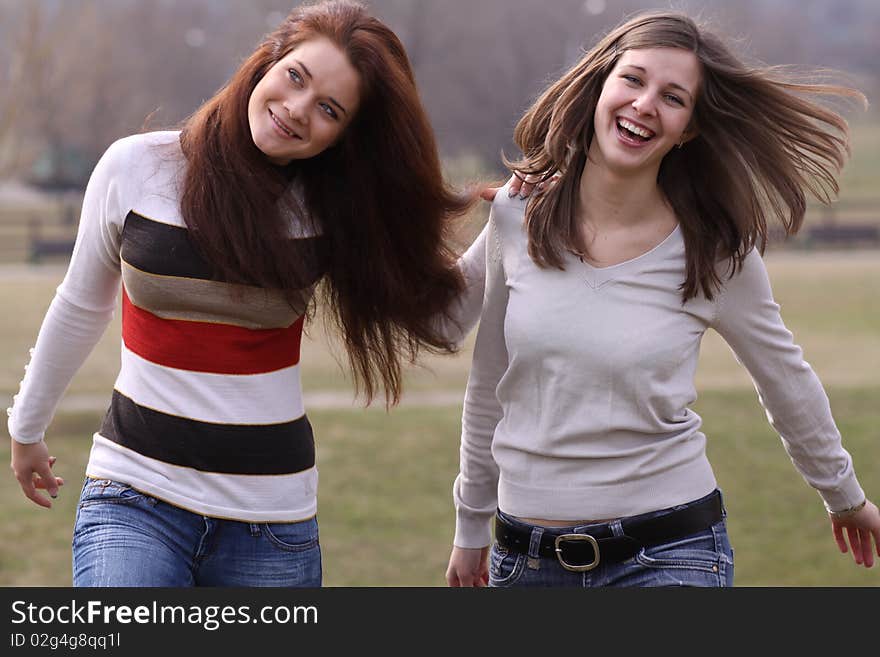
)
(851, 511)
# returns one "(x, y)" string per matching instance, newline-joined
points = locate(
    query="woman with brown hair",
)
(672, 155)
(315, 164)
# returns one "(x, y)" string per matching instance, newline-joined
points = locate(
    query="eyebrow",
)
(671, 84)
(309, 74)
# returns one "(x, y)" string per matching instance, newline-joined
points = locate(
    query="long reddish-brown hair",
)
(376, 197)
(762, 143)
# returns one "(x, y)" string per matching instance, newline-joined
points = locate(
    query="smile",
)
(283, 128)
(633, 132)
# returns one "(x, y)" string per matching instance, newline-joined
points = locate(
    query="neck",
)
(608, 198)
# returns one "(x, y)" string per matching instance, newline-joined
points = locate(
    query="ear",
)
(690, 133)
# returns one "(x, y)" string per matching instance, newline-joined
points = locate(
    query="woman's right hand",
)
(33, 459)
(468, 567)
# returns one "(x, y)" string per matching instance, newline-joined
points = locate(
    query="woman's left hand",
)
(519, 186)
(863, 531)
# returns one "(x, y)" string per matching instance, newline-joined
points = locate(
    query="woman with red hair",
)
(315, 164)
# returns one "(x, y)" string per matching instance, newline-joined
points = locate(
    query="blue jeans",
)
(122, 537)
(702, 559)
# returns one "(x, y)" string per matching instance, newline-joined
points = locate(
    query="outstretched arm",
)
(77, 317)
(796, 403)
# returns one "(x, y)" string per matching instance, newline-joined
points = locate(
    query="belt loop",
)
(534, 560)
(535, 542)
(617, 528)
(721, 503)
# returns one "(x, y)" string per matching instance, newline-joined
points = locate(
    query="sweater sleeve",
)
(83, 305)
(795, 402)
(475, 490)
(465, 310)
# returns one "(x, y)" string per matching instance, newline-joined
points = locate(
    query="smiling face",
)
(645, 108)
(305, 101)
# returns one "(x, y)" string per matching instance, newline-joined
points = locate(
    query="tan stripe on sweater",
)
(197, 300)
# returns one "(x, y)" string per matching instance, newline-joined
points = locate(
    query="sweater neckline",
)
(598, 276)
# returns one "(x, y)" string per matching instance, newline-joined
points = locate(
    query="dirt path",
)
(320, 399)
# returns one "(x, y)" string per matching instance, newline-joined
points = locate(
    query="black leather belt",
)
(583, 550)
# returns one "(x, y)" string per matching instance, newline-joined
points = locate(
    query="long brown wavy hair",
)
(762, 142)
(376, 197)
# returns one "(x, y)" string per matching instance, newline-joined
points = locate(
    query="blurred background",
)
(75, 75)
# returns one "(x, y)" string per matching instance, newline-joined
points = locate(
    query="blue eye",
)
(329, 111)
(674, 99)
(294, 76)
(631, 78)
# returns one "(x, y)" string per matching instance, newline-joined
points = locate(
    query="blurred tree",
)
(29, 49)
(78, 74)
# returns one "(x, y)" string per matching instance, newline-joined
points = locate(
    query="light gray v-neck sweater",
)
(577, 400)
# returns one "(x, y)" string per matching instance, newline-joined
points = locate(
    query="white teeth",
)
(632, 127)
(281, 125)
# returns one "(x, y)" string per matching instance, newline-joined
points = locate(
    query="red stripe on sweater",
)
(206, 347)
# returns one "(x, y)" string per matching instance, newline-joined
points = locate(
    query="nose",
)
(296, 108)
(644, 104)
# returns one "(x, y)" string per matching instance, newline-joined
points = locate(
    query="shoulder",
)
(751, 271)
(132, 169)
(135, 150)
(508, 214)
(507, 203)
(749, 287)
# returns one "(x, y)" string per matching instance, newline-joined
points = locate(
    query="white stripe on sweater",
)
(247, 498)
(217, 398)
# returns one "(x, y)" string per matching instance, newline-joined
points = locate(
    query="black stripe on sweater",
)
(166, 250)
(266, 449)
(159, 248)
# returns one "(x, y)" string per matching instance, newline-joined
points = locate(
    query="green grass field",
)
(385, 507)
(385, 502)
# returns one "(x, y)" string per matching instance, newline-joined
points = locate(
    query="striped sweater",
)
(207, 410)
